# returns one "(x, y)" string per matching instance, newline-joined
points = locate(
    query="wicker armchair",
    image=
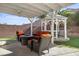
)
(42, 44)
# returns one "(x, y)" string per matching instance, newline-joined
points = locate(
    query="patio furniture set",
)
(37, 42)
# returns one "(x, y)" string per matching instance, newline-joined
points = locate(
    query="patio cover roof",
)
(30, 9)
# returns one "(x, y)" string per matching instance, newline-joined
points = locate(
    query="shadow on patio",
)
(18, 50)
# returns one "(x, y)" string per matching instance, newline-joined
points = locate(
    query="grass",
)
(7, 38)
(73, 42)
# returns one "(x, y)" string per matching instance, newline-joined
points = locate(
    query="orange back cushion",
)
(20, 33)
(41, 32)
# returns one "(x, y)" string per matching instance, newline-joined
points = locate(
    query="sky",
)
(16, 20)
(12, 19)
(73, 6)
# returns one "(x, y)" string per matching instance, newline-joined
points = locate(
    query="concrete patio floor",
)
(16, 49)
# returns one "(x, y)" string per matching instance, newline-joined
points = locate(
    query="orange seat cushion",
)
(41, 32)
(20, 33)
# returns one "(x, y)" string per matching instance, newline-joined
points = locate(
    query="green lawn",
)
(7, 38)
(73, 42)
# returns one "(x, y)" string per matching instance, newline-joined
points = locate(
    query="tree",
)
(66, 13)
(70, 16)
(42, 16)
(76, 18)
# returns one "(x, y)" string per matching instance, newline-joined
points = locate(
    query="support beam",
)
(52, 31)
(41, 25)
(56, 28)
(31, 29)
(52, 26)
(45, 25)
(31, 26)
(65, 29)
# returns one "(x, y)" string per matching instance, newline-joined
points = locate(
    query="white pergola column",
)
(52, 26)
(31, 29)
(41, 25)
(45, 25)
(56, 28)
(52, 31)
(31, 26)
(65, 29)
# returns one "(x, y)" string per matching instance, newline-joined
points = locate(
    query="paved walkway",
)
(62, 51)
(16, 49)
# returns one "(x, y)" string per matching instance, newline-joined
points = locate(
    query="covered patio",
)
(35, 11)
(16, 49)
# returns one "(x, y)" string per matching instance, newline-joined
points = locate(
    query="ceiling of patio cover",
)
(30, 9)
